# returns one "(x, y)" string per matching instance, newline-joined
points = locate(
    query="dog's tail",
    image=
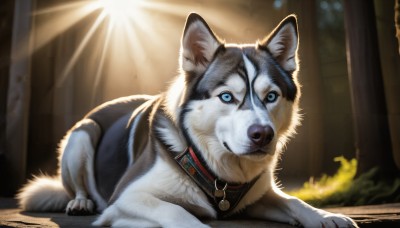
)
(43, 193)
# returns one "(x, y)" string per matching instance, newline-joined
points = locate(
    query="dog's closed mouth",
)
(258, 152)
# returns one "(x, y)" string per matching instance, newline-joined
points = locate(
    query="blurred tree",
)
(369, 107)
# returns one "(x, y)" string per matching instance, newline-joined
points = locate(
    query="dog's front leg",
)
(143, 209)
(278, 206)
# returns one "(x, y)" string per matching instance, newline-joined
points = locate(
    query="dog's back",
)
(99, 141)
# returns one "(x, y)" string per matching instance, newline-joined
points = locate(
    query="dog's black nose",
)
(260, 135)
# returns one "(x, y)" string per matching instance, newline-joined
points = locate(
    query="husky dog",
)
(206, 148)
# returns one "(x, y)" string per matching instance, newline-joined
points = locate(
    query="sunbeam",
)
(80, 48)
(126, 33)
(59, 19)
(101, 64)
(124, 40)
(74, 6)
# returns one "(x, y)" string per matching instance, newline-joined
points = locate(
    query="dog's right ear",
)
(198, 45)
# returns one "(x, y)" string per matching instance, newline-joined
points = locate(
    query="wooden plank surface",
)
(18, 97)
(386, 215)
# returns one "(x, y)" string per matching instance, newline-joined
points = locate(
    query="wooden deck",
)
(385, 215)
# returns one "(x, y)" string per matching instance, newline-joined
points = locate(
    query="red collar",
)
(223, 195)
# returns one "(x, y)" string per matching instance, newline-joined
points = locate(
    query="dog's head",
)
(238, 100)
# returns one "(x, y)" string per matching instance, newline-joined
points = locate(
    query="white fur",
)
(278, 206)
(43, 193)
(131, 139)
(251, 73)
(149, 199)
(169, 133)
(77, 172)
(209, 126)
(74, 183)
(175, 98)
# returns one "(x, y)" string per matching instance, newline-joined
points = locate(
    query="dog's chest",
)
(223, 196)
(167, 182)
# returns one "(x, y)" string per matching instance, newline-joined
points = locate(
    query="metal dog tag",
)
(224, 205)
(218, 193)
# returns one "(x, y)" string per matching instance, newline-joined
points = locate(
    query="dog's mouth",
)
(257, 152)
(260, 152)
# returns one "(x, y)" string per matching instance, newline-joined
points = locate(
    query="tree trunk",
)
(397, 21)
(369, 106)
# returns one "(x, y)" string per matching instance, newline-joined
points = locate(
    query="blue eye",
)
(271, 97)
(226, 97)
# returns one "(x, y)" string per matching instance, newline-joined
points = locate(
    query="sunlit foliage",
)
(317, 191)
(343, 189)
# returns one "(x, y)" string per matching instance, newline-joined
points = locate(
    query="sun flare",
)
(117, 37)
(119, 10)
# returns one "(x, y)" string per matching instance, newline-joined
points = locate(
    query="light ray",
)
(67, 16)
(137, 32)
(65, 7)
(80, 48)
(101, 63)
(167, 8)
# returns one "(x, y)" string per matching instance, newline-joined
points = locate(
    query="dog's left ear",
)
(283, 43)
(198, 46)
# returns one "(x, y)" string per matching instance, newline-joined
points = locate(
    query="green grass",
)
(342, 189)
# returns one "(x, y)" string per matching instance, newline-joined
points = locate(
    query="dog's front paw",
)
(80, 207)
(327, 220)
(113, 216)
(337, 220)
